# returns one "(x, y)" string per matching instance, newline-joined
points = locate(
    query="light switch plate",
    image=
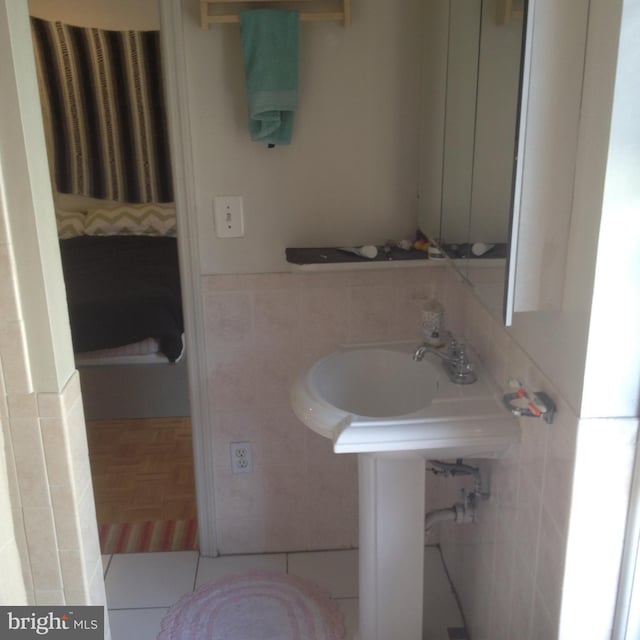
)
(229, 216)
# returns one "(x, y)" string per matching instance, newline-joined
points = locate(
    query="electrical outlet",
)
(229, 216)
(241, 459)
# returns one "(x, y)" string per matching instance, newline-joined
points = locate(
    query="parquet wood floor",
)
(142, 469)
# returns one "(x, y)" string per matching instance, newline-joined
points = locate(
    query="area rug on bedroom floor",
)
(160, 535)
(255, 606)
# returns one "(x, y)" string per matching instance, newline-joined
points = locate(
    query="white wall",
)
(567, 203)
(616, 309)
(103, 14)
(349, 176)
(29, 209)
(551, 134)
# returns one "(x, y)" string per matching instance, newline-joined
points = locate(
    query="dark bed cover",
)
(123, 289)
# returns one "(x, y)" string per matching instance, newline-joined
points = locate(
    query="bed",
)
(123, 290)
(121, 274)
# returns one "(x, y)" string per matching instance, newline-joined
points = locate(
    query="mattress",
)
(122, 290)
(143, 352)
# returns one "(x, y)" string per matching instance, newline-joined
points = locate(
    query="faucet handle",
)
(457, 350)
(459, 359)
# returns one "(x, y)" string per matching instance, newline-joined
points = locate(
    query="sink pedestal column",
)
(392, 494)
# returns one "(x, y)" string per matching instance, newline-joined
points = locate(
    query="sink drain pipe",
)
(460, 513)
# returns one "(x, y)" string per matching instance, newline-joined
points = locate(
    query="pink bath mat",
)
(256, 606)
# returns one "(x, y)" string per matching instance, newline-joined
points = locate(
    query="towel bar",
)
(343, 15)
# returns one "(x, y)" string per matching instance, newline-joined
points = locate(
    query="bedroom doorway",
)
(137, 406)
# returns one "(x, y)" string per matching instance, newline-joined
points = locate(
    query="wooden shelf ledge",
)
(226, 16)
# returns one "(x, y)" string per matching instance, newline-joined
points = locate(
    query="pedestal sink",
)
(375, 400)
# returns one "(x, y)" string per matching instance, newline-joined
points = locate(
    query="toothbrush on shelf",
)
(535, 403)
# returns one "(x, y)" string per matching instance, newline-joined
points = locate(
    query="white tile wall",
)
(261, 331)
(49, 543)
(16, 403)
(510, 563)
(510, 568)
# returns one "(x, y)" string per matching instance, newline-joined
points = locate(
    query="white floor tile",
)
(335, 571)
(216, 568)
(349, 608)
(136, 624)
(149, 579)
(140, 587)
(440, 606)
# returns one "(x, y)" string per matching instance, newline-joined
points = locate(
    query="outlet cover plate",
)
(241, 458)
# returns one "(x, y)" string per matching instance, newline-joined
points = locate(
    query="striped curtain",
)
(103, 103)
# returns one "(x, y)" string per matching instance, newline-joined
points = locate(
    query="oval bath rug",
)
(256, 606)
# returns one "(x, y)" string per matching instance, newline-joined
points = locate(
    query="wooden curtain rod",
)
(343, 16)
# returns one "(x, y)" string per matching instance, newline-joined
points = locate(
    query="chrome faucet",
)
(455, 361)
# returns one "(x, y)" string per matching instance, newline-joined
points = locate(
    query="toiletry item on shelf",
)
(480, 248)
(404, 244)
(367, 251)
(435, 253)
(433, 323)
(523, 402)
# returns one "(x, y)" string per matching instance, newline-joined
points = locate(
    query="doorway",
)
(137, 414)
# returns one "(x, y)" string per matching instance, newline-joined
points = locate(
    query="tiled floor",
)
(140, 587)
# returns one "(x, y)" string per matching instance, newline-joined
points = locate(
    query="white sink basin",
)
(376, 398)
(378, 383)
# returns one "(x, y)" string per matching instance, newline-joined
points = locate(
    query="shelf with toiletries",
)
(336, 259)
(408, 252)
(337, 11)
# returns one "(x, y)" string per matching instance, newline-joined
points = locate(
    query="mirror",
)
(470, 97)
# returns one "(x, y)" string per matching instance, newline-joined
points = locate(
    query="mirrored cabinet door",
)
(470, 98)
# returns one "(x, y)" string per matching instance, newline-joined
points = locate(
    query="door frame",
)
(175, 74)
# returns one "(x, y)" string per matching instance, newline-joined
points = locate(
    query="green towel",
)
(270, 53)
